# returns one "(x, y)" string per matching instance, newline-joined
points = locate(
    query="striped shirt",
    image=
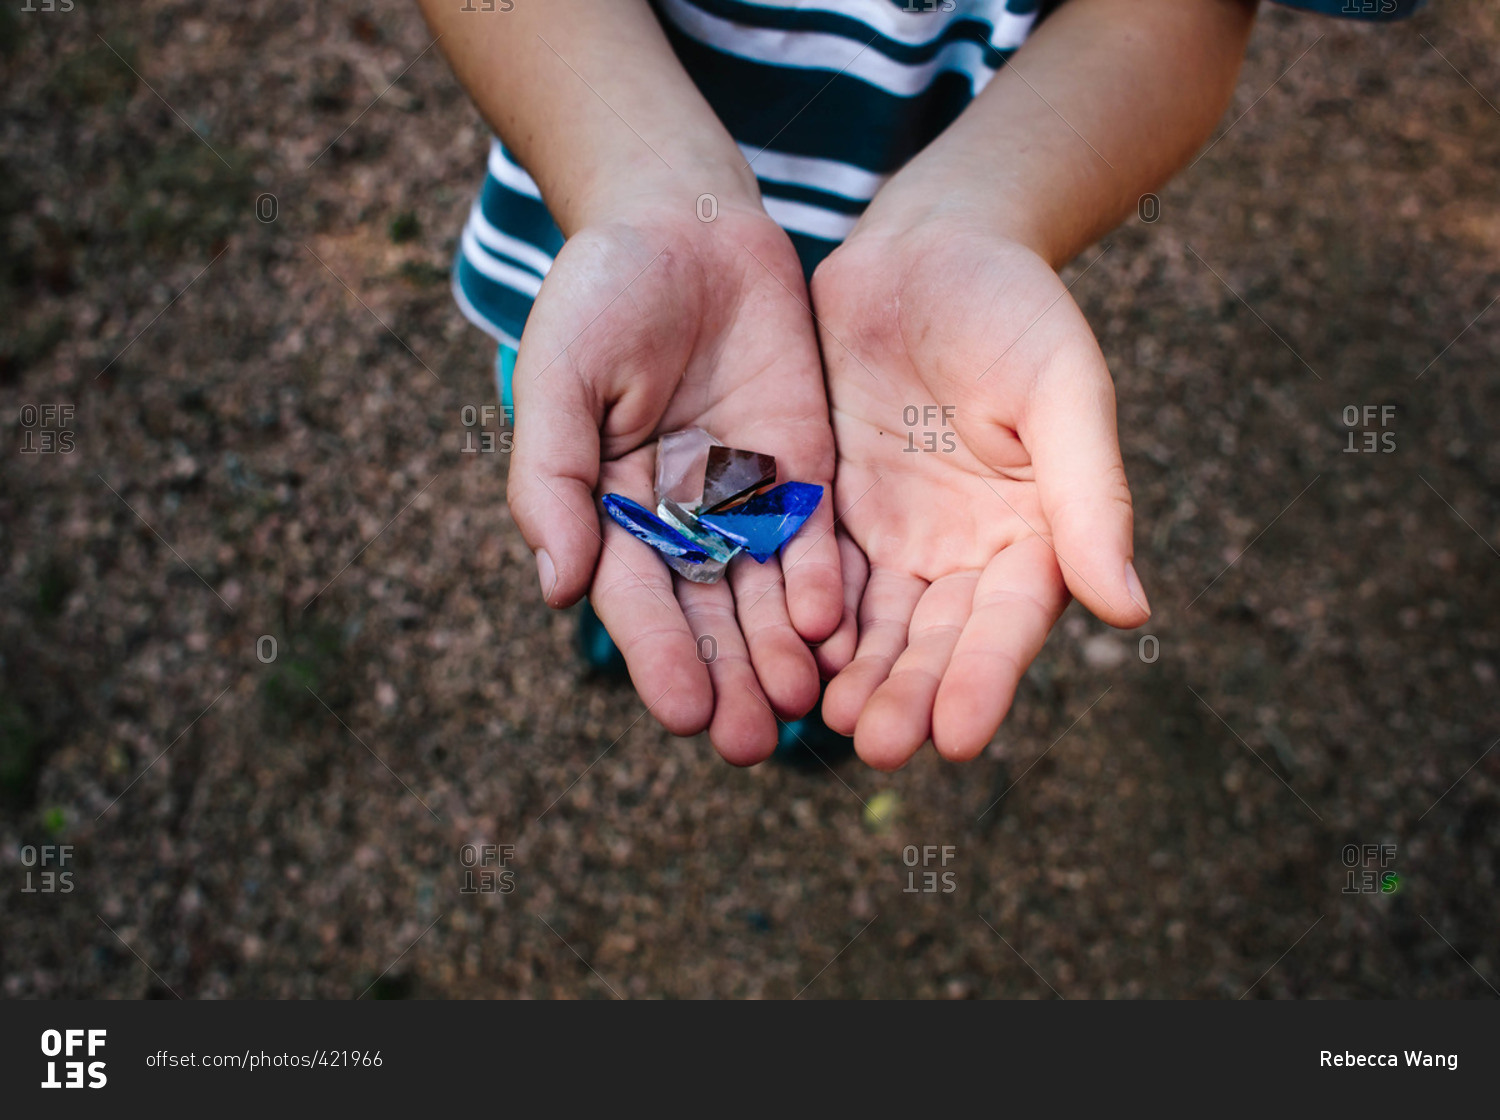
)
(788, 78)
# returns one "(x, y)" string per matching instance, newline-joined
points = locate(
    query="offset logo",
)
(57, 881)
(66, 1044)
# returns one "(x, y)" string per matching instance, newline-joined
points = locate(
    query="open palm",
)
(647, 326)
(979, 475)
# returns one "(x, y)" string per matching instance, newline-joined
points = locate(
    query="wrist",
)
(690, 180)
(963, 193)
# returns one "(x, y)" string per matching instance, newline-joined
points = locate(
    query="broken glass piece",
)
(709, 571)
(686, 523)
(766, 521)
(712, 502)
(681, 459)
(731, 475)
(644, 525)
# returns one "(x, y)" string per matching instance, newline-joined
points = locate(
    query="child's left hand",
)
(978, 470)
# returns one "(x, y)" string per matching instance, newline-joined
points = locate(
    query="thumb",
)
(1075, 448)
(554, 469)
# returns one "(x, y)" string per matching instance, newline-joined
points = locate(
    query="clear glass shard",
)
(686, 523)
(681, 460)
(708, 571)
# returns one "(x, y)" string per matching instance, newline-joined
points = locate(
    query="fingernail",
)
(546, 573)
(1133, 586)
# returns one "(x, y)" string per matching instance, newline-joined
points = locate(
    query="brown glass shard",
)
(732, 475)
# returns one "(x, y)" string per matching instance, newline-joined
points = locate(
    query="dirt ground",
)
(263, 399)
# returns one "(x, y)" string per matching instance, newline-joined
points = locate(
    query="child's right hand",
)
(652, 320)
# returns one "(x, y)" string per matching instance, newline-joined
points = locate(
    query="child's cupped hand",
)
(978, 474)
(653, 320)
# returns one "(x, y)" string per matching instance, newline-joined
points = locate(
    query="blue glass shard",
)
(644, 525)
(767, 521)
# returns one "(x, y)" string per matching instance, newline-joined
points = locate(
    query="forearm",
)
(1103, 103)
(591, 99)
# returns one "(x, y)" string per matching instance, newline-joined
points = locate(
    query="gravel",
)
(273, 656)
